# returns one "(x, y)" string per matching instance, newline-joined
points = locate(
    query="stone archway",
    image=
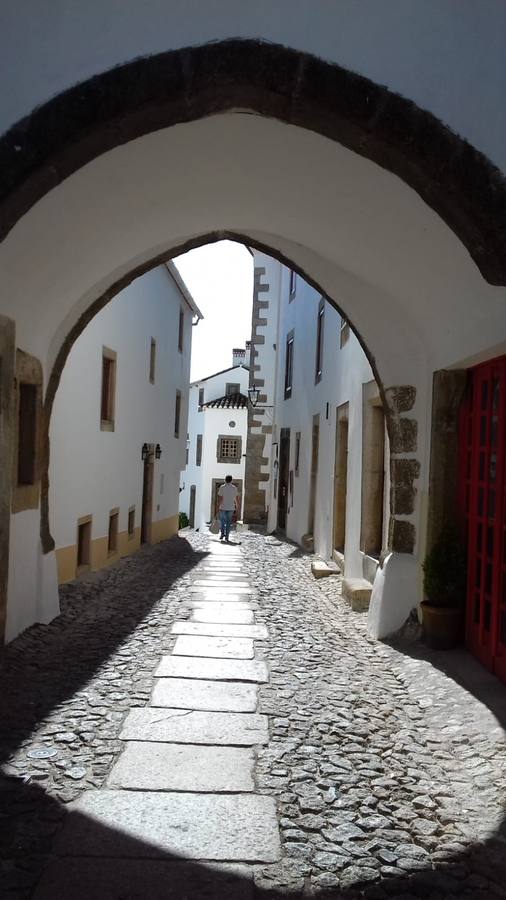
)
(114, 107)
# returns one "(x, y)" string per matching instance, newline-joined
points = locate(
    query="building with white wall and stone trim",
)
(317, 454)
(117, 438)
(216, 442)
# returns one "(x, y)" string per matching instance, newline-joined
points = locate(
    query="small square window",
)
(232, 388)
(107, 400)
(319, 341)
(198, 451)
(229, 449)
(289, 365)
(201, 398)
(293, 284)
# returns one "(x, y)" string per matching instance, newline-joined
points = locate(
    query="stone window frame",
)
(221, 457)
(177, 413)
(152, 360)
(232, 384)
(113, 545)
(131, 522)
(28, 372)
(320, 338)
(198, 450)
(297, 442)
(108, 404)
(289, 354)
(81, 568)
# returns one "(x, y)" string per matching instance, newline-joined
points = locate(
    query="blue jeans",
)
(225, 522)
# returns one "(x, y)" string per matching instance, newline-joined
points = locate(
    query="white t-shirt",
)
(228, 492)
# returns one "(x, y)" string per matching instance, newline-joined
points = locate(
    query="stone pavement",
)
(208, 721)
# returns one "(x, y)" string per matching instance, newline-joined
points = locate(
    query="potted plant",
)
(444, 584)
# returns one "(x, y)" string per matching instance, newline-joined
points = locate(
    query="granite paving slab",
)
(208, 589)
(222, 612)
(178, 726)
(213, 629)
(224, 696)
(183, 767)
(136, 879)
(218, 647)
(254, 670)
(151, 824)
(229, 581)
(202, 599)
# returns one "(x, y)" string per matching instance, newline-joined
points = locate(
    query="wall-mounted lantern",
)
(253, 394)
(144, 452)
(158, 451)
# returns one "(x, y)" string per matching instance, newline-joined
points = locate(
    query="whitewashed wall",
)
(211, 423)
(345, 371)
(94, 471)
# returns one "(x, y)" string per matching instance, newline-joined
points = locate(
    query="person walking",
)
(227, 503)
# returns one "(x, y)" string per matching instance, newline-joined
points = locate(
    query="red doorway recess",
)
(483, 496)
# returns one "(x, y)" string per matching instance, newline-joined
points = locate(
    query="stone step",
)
(183, 767)
(357, 592)
(253, 670)
(131, 824)
(156, 879)
(217, 647)
(322, 569)
(220, 696)
(222, 612)
(178, 726)
(213, 629)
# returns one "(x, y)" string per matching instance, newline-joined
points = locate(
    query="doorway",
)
(340, 478)
(284, 470)
(193, 495)
(483, 482)
(147, 498)
(216, 484)
(315, 449)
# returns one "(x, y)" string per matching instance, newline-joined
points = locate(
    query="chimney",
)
(238, 356)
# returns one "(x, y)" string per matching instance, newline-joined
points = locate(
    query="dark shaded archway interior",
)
(457, 181)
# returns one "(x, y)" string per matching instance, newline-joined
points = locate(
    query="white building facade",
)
(318, 430)
(216, 443)
(123, 393)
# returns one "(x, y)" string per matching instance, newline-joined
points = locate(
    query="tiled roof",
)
(231, 401)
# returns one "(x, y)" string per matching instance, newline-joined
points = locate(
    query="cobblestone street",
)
(320, 763)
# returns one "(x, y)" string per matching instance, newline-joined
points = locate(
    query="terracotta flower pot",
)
(443, 626)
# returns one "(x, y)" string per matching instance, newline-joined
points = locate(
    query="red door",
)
(483, 485)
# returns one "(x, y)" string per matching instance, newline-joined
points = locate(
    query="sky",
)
(220, 279)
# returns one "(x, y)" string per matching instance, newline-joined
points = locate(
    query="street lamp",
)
(158, 451)
(253, 394)
(144, 452)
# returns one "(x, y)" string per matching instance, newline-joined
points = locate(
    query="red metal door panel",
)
(482, 480)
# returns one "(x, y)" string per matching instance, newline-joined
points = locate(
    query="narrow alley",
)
(207, 720)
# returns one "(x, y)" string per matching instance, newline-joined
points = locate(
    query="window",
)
(27, 424)
(108, 389)
(201, 398)
(229, 449)
(289, 365)
(131, 522)
(177, 414)
(83, 543)
(198, 451)
(152, 360)
(180, 338)
(293, 284)
(112, 538)
(297, 453)
(345, 332)
(319, 341)
(232, 388)
(187, 455)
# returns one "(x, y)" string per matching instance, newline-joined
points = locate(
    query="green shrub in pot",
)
(445, 587)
